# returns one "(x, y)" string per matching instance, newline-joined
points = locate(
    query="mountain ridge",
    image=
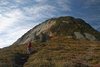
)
(50, 27)
(57, 42)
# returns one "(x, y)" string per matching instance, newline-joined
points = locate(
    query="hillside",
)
(57, 42)
(66, 53)
(61, 26)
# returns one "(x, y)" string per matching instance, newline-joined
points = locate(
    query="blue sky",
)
(18, 16)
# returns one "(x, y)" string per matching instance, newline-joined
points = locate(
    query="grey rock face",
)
(35, 33)
(88, 36)
(78, 35)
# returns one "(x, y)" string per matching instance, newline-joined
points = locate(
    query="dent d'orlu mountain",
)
(65, 35)
(63, 26)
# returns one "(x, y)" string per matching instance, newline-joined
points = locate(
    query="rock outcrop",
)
(84, 36)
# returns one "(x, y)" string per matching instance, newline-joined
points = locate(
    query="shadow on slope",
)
(20, 59)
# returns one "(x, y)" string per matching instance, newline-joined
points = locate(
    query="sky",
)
(19, 16)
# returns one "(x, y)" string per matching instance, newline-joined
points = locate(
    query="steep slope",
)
(57, 42)
(62, 26)
(63, 52)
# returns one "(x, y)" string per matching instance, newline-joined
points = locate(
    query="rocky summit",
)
(57, 42)
(67, 26)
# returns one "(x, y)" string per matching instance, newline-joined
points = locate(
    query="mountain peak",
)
(63, 41)
(66, 26)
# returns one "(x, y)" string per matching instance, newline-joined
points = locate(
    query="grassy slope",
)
(62, 52)
(58, 52)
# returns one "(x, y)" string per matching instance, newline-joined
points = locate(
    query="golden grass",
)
(58, 52)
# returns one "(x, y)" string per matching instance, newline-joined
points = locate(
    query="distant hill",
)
(57, 42)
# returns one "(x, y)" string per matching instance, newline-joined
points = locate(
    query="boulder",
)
(89, 36)
(78, 35)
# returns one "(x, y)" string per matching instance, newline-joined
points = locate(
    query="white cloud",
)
(91, 3)
(22, 2)
(10, 24)
(40, 11)
(19, 0)
(13, 18)
(9, 19)
(41, 0)
(11, 36)
(3, 2)
(43, 9)
(64, 4)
